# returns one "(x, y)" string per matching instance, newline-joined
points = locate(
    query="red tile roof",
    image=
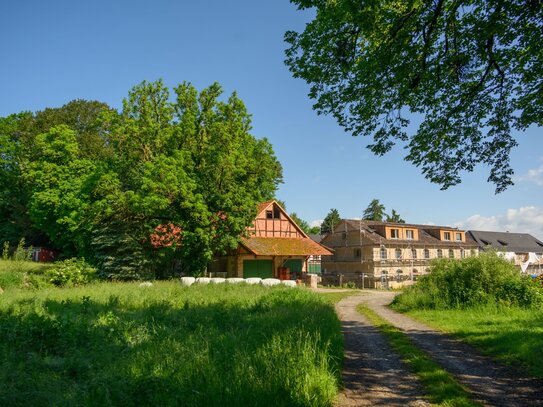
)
(282, 246)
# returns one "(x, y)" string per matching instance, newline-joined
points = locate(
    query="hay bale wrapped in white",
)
(188, 281)
(203, 280)
(146, 284)
(269, 282)
(289, 283)
(217, 280)
(235, 280)
(253, 280)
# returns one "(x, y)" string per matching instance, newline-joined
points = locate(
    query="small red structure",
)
(43, 255)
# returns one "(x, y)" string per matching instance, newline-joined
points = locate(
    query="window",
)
(398, 253)
(383, 253)
(357, 253)
(276, 213)
(269, 215)
(414, 274)
(394, 233)
(426, 253)
(439, 253)
(413, 253)
(344, 235)
(399, 275)
(409, 234)
(446, 235)
(458, 236)
(503, 243)
(451, 254)
(462, 253)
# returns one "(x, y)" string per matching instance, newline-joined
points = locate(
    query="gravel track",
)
(489, 383)
(373, 374)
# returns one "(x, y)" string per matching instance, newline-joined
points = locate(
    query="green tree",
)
(104, 184)
(394, 217)
(374, 211)
(330, 221)
(470, 70)
(300, 222)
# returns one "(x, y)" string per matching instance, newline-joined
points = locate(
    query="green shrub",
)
(71, 272)
(474, 281)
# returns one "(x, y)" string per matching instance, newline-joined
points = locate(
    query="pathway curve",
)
(490, 383)
(373, 374)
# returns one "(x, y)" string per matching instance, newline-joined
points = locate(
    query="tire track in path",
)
(373, 374)
(489, 383)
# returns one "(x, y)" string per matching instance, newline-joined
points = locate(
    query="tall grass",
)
(121, 344)
(511, 334)
(22, 274)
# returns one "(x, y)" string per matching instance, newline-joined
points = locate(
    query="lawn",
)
(122, 344)
(512, 335)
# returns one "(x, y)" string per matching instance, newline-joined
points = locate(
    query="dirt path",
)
(373, 374)
(491, 384)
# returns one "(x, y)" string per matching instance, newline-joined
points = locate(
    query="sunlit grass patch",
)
(121, 344)
(511, 334)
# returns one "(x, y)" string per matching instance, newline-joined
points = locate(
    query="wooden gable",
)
(272, 221)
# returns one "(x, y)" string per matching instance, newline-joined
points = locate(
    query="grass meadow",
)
(511, 334)
(122, 344)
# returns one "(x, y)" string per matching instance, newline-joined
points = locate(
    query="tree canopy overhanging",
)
(472, 70)
(161, 185)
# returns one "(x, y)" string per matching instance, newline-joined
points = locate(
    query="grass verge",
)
(441, 388)
(510, 334)
(122, 344)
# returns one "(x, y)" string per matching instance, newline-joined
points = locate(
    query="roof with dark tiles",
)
(506, 241)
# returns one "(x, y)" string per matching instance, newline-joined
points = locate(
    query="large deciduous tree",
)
(155, 188)
(471, 70)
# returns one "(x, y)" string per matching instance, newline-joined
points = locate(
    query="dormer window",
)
(458, 237)
(446, 235)
(502, 242)
(409, 234)
(273, 214)
(394, 233)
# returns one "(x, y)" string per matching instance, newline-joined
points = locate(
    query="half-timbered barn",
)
(275, 247)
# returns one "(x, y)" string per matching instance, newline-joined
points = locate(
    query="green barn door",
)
(257, 268)
(295, 265)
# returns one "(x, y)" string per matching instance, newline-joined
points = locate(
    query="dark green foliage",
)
(471, 282)
(471, 70)
(101, 184)
(374, 211)
(124, 345)
(300, 222)
(394, 217)
(330, 221)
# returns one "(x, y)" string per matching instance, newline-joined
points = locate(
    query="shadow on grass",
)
(84, 352)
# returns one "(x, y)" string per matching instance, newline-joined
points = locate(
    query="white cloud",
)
(316, 223)
(534, 175)
(528, 219)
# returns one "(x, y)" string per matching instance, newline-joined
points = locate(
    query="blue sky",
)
(57, 51)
